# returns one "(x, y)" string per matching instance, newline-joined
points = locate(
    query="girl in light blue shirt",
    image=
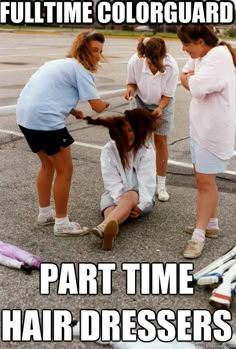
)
(48, 98)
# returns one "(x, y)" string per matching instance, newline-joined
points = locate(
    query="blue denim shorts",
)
(107, 201)
(167, 118)
(206, 162)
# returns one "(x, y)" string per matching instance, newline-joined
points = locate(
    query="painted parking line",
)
(17, 69)
(102, 94)
(53, 54)
(94, 146)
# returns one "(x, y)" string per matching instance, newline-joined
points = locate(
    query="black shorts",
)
(47, 141)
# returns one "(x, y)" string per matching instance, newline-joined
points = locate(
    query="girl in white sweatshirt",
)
(128, 171)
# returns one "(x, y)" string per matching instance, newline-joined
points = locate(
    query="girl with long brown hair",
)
(209, 75)
(128, 171)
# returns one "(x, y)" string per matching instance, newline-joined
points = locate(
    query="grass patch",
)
(77, 29)
(107, 32)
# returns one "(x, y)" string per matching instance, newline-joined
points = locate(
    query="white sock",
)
(45, 211)
(198, 234)
(213, 224)
(161, 182)
(101, 227)
(62, 221)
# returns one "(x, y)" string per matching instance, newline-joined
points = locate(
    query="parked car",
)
(143, 28)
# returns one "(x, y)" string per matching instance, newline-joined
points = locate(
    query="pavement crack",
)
(179, 140)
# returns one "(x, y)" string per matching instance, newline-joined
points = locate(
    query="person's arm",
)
(131, 79)
(187, 71)
(184, 78)
(135, 212)
(168, 92)
(210, 77)
(110, 175)
(129, 93)
(146, 174)
(98, 105)
(87, 90)
(162, 104)
(77, 113)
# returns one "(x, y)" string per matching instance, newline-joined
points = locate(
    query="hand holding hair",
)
(77, 113)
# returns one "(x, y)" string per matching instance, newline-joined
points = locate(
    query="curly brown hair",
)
(80, 49)
(142, 122)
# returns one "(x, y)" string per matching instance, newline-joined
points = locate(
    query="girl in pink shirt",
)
(209, 75)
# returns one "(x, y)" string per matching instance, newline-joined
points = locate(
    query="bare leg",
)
(44, 180)
(214, 210)
(206, 208)
(62, 163)
(122, 211)
(207, 198)
(114, 216)
(161, 154)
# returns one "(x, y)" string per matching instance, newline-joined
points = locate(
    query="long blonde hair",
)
(80, 49)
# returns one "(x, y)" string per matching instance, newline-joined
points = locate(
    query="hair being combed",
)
(142, 122)
(80, 49)
(192, 32)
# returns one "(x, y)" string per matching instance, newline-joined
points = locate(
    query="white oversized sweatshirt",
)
(141, 175)
(212, 108)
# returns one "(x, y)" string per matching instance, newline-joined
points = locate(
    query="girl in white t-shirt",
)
(152, 79)
(47, 99)
(209, 75)
(128, 171)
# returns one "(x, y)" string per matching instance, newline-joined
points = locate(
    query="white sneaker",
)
(46, 220)
(193, 249)
(98, 231)
(163, 195)
(71, 229)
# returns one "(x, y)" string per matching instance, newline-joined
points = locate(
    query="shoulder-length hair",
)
(80, 49)
(192, 32)
(142, 122)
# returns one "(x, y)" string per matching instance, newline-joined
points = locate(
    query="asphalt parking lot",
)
(158, 237)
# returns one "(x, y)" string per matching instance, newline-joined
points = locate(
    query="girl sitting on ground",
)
(128, 171)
